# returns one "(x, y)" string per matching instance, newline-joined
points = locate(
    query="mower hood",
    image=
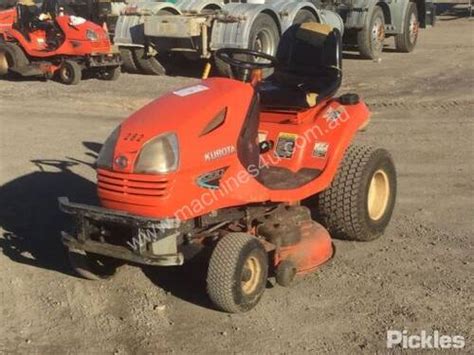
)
(201, 124)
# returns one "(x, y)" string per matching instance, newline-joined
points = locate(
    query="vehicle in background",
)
(151, 33)
(45, 43)
(368, 22)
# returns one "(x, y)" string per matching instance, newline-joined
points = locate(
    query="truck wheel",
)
(92, 266)
(371, 38)
(237, 273)
(128, 63)
(11, 57)
(359, 203)
(304, 16)
(406, 41)
(110, 74)
(70, 73)
(148, 64)
(264, 37)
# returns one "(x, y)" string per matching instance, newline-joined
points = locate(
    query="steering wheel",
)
(227, 55)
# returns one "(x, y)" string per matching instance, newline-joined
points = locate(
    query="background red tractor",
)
(44, 42)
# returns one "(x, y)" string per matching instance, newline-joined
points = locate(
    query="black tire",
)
(345, 209)
(371, 38)
(110, 74)
(264, 37)
(304, 16)
(128, 63)
(147, 64)
(237, 273)
(70, 73)
(405, 42)
(11, 57)
(91, 266)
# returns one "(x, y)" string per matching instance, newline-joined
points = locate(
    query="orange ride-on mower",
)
(235, 168)
(45, 45)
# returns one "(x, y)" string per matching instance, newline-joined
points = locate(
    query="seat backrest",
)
(309, 49)
(50, 7)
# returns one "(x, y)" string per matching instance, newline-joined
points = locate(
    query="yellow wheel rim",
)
(251, 275)
(379, 194)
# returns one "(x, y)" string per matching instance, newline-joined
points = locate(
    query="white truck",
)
(150, 33)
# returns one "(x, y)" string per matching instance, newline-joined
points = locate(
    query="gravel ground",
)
(418, 276)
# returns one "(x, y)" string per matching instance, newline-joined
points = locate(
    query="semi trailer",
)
(150, 33)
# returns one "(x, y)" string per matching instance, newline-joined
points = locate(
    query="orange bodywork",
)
(177, 194)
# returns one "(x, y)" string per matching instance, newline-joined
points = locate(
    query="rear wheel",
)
(237, 273)
(359, 203)
(70, 73)
(406, 41)
(371, 38)
(128, 63)
(11, 57)
(92, 266)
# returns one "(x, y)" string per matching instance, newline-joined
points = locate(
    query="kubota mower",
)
(259, 173)
(44, 43)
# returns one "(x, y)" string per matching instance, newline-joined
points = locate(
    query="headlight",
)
(91, 35)
(159, 155)
(106, 154)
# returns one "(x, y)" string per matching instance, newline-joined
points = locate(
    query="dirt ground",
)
(418, 276)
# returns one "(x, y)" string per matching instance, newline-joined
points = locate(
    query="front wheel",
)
(359, 203)
(371, 38)
(406, 41)
(237, 273)
(70, 73)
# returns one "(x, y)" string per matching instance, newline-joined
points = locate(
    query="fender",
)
(129, 30)
(236, 34)
(288, 11)
(358, 12)
(339, 139)
(197, 6)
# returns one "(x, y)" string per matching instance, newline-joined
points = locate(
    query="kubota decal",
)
(219, 153)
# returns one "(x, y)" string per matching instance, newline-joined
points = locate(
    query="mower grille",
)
(133, 185)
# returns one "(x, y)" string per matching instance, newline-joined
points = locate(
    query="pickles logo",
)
(219, 153)
(424, 340)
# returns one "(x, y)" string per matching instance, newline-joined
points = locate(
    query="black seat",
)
(308, 70)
